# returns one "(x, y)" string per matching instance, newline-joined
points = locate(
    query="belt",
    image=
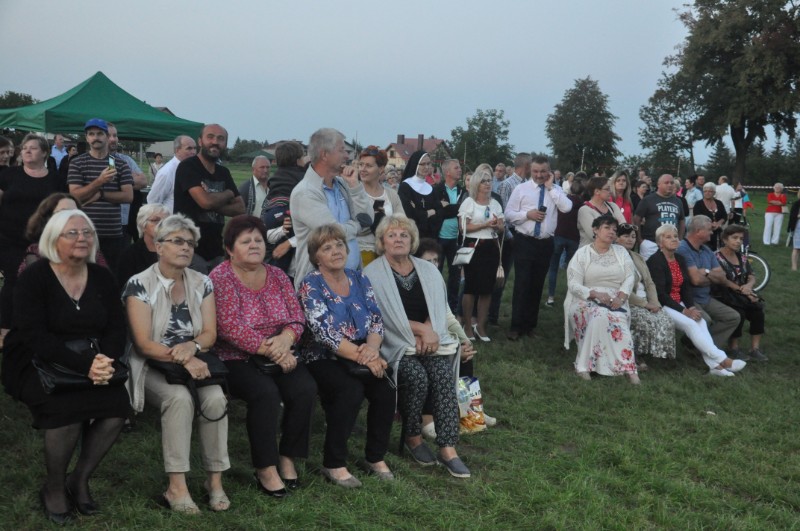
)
(528, 237)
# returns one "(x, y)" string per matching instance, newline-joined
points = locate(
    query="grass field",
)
(683, 450)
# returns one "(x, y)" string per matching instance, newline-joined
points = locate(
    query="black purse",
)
(176, 374)
(56, 378)
(263, 363)
(361, 372)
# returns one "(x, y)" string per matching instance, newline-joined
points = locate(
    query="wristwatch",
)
(197, 347)
(706, 271)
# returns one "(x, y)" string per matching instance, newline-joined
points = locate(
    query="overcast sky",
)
(277, 70)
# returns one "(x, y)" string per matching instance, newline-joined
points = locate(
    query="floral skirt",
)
(605, 345)
(653, 333)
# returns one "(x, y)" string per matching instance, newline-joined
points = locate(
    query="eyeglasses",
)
(425, 164)
(486, 214)
(155, 221)
(74, 234)
(180, 242)
(627, 227)
(371, 152)
(486, 180)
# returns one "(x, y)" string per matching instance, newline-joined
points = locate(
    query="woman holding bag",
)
(482, 221)
(172, 318)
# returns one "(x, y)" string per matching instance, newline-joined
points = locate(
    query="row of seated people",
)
(392, 319)
(619, 308)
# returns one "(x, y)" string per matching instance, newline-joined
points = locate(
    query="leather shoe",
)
(513, 335)
(291, 484)
(89, 508)
(279, 493)
(56, 518)
(350, 483)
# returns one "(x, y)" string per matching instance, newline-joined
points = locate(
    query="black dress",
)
(718, 214)
(133, 260)
(45, 317)
(416, 206)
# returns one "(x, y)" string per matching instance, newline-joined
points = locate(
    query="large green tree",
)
(10, 99)
(740, 66)
(581, 129)
(485, 139)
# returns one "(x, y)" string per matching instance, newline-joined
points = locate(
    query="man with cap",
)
(101, 182)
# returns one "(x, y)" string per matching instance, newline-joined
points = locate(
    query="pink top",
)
(772, 196)
(245, 316)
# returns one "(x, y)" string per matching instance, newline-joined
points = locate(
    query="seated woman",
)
(599, 281)
(738, 292)
(413, 298)
(65, 297)
(173, 317)
(346, 324)
(142, 254)
(258, 315)
(652, 329)
(674, 289)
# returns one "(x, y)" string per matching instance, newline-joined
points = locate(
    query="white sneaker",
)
(490, 421)
(737, 366)
(720, 372)
(429, 431)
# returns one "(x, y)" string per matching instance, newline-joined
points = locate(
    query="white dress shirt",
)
(525, 197)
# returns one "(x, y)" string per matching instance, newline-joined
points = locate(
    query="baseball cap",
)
(96, 122)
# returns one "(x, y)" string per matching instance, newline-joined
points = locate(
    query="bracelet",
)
(291, 333)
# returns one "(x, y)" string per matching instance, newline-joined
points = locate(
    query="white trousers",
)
(773, 221)
(698, 333)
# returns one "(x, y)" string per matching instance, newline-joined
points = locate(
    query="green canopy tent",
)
(99, 97)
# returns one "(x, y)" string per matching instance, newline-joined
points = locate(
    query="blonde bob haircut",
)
(322, 235)
(55, 227)
(663, 229)
(484, 171)
(396, 221)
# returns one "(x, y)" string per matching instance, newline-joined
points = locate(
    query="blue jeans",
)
(560, 244)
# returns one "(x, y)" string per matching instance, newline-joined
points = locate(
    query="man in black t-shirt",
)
(657, 209)
(206, 193)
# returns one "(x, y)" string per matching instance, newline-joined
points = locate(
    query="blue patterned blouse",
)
(332, 318)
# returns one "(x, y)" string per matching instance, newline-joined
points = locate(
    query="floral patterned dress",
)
(605, 344)
(333, 318)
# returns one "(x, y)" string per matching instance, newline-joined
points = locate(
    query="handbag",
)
(176, 374)
(266, 365)
(464, 252)
(56, 378)
(359, 371)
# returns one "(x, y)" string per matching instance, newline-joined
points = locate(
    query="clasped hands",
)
(279, 350)
(184, 354)
(606, 299)
(101, 370)
(427, 343)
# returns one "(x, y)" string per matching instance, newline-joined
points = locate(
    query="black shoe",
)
(89, 508)
(56, 518)
(292, 484)
(280, 493)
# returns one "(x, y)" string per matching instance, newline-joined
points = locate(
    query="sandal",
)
(183, 505)
(218, 501)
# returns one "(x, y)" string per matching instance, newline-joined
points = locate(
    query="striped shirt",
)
(84, 169)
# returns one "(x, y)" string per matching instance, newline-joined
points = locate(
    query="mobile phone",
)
(378, 203)
(111, 162)
(542, 208)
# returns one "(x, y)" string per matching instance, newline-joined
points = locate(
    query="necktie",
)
(538, 227)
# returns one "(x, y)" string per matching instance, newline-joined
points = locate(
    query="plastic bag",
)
(470, 405)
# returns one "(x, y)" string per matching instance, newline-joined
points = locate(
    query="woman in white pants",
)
(773, 216)
(674, 289)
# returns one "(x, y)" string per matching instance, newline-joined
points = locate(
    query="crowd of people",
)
(328, 280)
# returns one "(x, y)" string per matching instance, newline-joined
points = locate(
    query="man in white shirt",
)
(254, 191)
(163, 190)
(726, 194)
(58, 151)
(531, 210)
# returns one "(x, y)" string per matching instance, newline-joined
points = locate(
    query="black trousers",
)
(531, 263)
(263, 395)
(341, 396)
(453, 271)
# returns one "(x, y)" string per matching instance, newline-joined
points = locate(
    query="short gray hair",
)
(145, 212)
(52, 232)
(253, 165)
(176, 223)
(663, 229)
(698, 222)
(522, 160)
(447, 163)
(323, 140)
(710, 186)
(178, 142)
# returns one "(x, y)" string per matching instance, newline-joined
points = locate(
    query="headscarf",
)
(410, 176)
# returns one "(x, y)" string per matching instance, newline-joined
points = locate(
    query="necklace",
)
(407, 282)
(75, 301)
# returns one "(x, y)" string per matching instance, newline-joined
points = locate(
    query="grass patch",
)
(566, 454)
